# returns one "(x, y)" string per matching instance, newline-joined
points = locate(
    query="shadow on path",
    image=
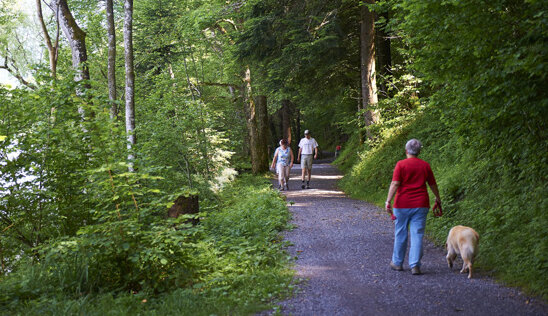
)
(343, 247)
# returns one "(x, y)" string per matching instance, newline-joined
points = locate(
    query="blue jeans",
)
(414, 221)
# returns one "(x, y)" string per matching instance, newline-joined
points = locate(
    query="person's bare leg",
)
(303, 176)
(309, 171)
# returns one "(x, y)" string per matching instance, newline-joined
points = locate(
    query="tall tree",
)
(384, 53)
(367, 63)
(76, 38)
(257, 126)
(286, 120)
(130, 78)
(53, 49)
(251, 120)
(111, 68)
(262, 133)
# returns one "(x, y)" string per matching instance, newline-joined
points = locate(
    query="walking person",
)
(410, 206)
(283, 160)
(308, 148)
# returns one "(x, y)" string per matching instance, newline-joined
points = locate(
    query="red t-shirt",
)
(413, 173)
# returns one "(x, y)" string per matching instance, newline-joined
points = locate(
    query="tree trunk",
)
(251, 122)
(111, 68)
(298, 122)
(130, 78)
(246, 148)
(52, 48)
(384, 56)
(367, 64)
(286, 120)
(76, 38)
(262, 133)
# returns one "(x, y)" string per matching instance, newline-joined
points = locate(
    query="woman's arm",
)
(434, 188)
(274, 159)
(391, 192)
(292, 157)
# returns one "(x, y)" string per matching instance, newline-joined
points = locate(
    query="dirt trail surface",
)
(343, 247)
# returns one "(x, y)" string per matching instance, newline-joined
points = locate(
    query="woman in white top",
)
(283, 160)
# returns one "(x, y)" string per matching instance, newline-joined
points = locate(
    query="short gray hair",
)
(413, 147)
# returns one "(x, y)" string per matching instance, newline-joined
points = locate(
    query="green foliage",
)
(506, 211)
(483, 129)
(490, 91)
(233, 262)
(44, 156)
(306, 52)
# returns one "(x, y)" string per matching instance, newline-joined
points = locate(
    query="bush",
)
(233, 262)
(486, 194)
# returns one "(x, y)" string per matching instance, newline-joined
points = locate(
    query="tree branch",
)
(217, 84)
(14, 71)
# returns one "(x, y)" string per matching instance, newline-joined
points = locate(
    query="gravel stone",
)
(343, 249)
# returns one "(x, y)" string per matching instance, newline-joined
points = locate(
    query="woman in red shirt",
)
(411, 205)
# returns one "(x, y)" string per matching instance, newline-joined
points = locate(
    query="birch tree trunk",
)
(111, 67)
(130, 79)
(367, 64)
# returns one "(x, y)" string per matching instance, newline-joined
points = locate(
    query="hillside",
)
(478, 190)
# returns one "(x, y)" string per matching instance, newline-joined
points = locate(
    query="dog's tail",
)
(477, 236)
(468, 254)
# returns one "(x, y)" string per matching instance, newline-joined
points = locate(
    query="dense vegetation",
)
(217, 83)
(231, 264)
(483, 127)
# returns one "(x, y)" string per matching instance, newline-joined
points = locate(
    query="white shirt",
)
(308, 145)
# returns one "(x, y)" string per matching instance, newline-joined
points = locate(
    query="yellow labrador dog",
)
(464, 241)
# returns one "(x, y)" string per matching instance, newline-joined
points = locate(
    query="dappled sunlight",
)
(307, 271)
(302, 204)
(327, 177)
(297, 166)
(319, 193)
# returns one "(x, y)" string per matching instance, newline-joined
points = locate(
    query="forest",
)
(136, 135)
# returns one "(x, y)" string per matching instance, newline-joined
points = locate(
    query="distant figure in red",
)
(337, 149)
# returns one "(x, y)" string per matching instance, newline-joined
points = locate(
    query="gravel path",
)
(343, 248)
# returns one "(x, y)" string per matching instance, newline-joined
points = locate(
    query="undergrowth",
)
(235, 264)
(504, 204)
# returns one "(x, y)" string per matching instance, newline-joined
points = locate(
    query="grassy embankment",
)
(508, 210)
(239, 259)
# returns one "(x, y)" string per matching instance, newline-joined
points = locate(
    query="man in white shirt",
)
(307, 147)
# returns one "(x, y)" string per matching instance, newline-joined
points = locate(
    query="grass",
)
(481, 191)
(242, 267)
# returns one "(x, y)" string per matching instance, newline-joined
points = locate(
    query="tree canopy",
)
(216, 85)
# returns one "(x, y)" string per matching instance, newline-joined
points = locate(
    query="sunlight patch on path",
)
(311, 271)
(313, 193)
(331, 177)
